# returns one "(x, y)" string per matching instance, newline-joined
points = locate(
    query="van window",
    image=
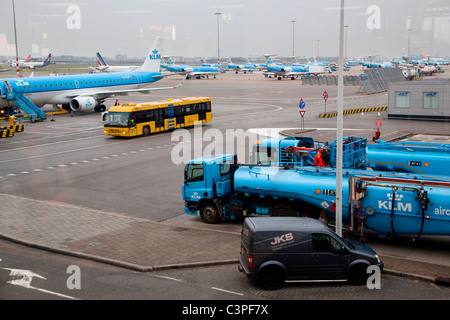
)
(325, 243)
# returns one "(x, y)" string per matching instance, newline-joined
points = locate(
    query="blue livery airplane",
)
(240, 67)
(86, 91)
(190, 71)
(292, 71)
(102, 66)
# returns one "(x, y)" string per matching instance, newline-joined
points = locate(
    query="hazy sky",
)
(246, 27)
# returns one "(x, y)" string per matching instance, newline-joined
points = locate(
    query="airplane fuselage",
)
(62, 89)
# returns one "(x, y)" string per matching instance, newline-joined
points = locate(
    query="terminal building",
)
(419, 100)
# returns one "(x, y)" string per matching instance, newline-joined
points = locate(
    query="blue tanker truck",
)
(389, 203)
(409, 157)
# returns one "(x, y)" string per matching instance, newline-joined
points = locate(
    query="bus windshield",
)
(117, 119)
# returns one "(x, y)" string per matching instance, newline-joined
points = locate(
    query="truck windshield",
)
(117, 119)
(194, 172)
(263, 155)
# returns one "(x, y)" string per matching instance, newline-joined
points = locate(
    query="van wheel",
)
(145, 131)
(284, 211)
(209, 213)
(358, 275)
(271, 278)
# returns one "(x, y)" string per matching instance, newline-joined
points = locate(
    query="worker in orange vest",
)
(318, 161)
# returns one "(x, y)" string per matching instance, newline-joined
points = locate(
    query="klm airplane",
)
(280, 71)
(190, 71)
(83, 91)
(240, 67)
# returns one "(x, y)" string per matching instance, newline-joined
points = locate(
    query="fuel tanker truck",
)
(411, 157)
(389, 203)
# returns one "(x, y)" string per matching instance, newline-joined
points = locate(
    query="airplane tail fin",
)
(47, 61)
(28, 59)
(269, 61)
(100, 61)
(153, 60)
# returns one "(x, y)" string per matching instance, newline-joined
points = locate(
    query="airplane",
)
(221, 66)
(104, 67)
(381, 64)
(240, 67)
(190, 71)
(13, 63)
(260, 66)
(87, 91)
(292, 71)
(33, 64)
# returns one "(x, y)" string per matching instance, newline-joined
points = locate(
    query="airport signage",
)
(301, 104)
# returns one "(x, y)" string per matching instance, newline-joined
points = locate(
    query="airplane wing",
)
(106, 93)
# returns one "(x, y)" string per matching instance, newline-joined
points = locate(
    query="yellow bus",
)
(131, 119)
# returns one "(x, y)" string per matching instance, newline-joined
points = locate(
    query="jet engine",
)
(188, 69)
(83, 103)
(286, 69)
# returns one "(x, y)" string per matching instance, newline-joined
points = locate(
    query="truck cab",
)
(207, 182)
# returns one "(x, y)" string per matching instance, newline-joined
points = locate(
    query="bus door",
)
(201, 109)
(171, 123)
(159, 118)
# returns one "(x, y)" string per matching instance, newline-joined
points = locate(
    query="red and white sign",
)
(302, 113)
(378, 123)
(325, 96)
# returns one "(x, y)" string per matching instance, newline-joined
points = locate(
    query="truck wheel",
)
(284, 211)
(271, 278)
(358, 275)
(209, 213)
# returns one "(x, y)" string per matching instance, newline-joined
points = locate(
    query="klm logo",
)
(155, 55)
(398, 204)
(22, 83)
(89, 103)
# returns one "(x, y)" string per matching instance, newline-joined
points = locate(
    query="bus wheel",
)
(145, 131)
(284, 211)
(209, 213)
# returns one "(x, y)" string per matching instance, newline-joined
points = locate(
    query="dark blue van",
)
(275, 249)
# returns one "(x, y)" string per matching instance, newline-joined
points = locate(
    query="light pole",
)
(293, 53)
(340, 124)
(15, 36)
(346, 27)
(409, 41)
(218, 47)
(318, 44)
